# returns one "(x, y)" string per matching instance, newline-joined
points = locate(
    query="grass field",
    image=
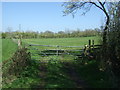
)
(57, 74)
(62, 41)
(8, 48)
(81, 41)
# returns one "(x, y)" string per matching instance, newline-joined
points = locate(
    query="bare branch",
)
(72, 7)
(104, 10)
(104, 2)
(102, 5)
(96, 5)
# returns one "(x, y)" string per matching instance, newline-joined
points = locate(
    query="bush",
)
(15, 65)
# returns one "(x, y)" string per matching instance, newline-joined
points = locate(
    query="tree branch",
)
(104, 2)
(96, 5)
(102, 5)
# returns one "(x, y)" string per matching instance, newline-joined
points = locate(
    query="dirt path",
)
(42, 74)
(69, 70)
(72, 73)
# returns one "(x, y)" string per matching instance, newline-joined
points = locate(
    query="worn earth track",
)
(70, 72)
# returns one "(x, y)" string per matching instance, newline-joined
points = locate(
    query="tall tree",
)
(73, 6)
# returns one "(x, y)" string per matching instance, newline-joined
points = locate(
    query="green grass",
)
(8, 48)
(91, 73)
(62, 41)
(26, 79)
(0, 50)
(56, 74)
(81, 41)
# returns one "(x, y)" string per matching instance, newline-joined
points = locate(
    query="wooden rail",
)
(82, 49)
(55, 46)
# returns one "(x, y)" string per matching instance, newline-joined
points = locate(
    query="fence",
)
(79, 51)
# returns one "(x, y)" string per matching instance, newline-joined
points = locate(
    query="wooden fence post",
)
(89, 44)
(86, 50)
(19, 43)
(93, 43)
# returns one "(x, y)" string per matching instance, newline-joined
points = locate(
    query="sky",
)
(42, 16)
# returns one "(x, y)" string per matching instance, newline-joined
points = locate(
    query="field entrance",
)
(61, 49)
(45, 53)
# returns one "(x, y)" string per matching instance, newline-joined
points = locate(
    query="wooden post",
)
(85, 50)
(89, 44)
(93, 43)
(19, 44)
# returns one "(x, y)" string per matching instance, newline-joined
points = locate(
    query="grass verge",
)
(92, 74)
(8, 48)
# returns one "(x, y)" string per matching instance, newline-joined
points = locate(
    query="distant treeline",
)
(50, 34)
